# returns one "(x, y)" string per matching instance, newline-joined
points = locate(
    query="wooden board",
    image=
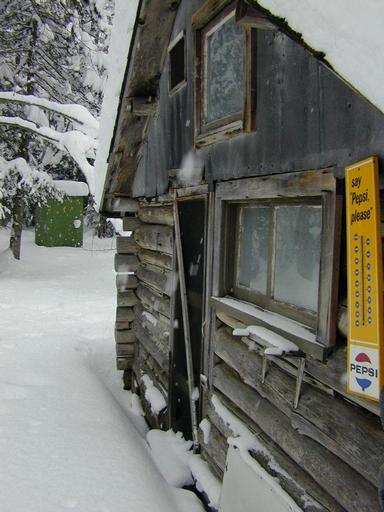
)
(156, 215)
(344, 484)
(126, 245)
(126, 263)
(130, 223)
(343, 429)
(161, 281)
(153, 300)
(155, 237)
(127, 298)
(125, 337)
(126, 282)
(163, 261)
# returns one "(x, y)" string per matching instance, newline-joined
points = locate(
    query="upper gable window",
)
(225, 92)
(177, 74)
(223, 49)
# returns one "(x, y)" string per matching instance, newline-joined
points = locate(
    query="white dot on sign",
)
(369, 320)
(357, 323)
(357, 314)
(368, 254)
(357, 294)
(369, 266)
(369, 310)
(369, 277)
(356, 237)
(357, 261)
(369, 300)
(369, 289)
(368, 241)
(357, 304)
(357, 283)
(357, 272)
(356, 249)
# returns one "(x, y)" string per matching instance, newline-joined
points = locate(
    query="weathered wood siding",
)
(151, 325)
(334, 448)
(326, 453)
(306, 118)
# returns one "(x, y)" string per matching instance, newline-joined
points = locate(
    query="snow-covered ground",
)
(70, 437)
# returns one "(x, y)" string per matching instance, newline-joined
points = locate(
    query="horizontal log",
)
(156, 214)
(125, 349)
(130, 223)
(328, 375)
(161, 281)
(155, 258)
(125, 336)
(146, 363)
(127, 298)
(157, 325)
(153, 300)
(216, 447)
(332, 474)
(126, 263)
(124, 317)
(126, 245)
(126, 282)
(121, 205)
(124, 363)
(292, 478)
(350, 433)
(157, 351)
(125, 314)
(155, 238)
(142, 107)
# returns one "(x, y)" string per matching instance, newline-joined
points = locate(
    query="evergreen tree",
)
(54, 50)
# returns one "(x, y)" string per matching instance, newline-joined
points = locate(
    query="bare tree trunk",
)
(17, 228)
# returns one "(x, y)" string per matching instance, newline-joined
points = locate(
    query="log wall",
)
(126, 264)
(153, 237)
(328, 446)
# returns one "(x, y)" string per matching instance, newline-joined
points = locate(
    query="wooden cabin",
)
(227, 164)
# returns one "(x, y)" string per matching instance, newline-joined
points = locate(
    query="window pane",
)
(253, 249)
(176, 56)
(297, 255)
(224, 71)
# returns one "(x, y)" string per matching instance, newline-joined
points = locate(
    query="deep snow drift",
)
(70, 437)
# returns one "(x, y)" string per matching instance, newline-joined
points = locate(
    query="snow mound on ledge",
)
(72, 188)
(349, 33)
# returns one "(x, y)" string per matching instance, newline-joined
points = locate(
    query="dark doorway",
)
(192, 213)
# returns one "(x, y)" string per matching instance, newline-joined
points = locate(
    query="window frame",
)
(291, 187)
(180, 36)
(209, 16)
(267, 300)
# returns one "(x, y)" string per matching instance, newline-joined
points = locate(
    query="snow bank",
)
(349, 33)
(72, 188)
(69, 435)
(124, 19)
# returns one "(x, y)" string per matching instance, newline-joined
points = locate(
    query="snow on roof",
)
(124, 20)
(72, 188)
(349, 33)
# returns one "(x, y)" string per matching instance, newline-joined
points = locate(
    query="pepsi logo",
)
(363, 367)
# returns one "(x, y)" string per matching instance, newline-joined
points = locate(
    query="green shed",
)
(61, 223)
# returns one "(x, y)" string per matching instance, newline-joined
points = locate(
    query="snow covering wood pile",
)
(348, 32)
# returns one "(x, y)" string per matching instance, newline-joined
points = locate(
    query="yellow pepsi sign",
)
(365, 280)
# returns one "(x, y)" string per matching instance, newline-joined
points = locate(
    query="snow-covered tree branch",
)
(78, 145)
(81, 118)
